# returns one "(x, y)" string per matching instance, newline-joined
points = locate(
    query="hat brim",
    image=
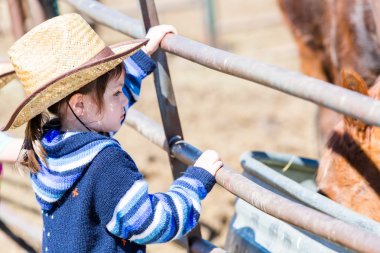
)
(57, 89)
(7, 73)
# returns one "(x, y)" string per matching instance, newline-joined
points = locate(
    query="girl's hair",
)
(32, 147)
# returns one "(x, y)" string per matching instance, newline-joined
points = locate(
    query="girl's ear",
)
(76, 103)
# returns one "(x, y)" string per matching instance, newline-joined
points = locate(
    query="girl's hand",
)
(209, 161)
(155, 35)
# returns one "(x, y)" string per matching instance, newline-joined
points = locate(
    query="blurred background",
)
(217, 111)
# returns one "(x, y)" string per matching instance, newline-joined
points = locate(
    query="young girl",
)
(92, 196)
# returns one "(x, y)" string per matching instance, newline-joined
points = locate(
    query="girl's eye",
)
(117, 93)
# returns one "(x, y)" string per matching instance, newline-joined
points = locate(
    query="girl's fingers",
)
(171, 29)
(155, 35)
(210, 161)
(216, 166)
(210, 156)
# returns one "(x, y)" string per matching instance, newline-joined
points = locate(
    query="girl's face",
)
(113, 113)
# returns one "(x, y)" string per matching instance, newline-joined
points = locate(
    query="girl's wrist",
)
(148, 49)
(143, 48)
(204, 176)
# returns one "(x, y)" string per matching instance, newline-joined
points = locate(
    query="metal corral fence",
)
(342, 230)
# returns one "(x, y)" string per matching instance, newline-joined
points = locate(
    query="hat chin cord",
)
(71, 109)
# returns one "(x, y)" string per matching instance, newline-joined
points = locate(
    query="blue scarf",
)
(68, 157)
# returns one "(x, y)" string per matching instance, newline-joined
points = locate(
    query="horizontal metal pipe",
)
(273, 204)
(290, 82)
(279, 182)
(147, 128)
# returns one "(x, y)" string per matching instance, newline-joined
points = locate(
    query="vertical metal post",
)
(209, 20)
(166, 99)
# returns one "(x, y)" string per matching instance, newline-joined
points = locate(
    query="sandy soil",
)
(217, 111)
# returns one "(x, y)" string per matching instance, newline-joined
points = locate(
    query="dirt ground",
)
(217, 111)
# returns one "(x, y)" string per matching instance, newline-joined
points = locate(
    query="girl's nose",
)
(124, 100)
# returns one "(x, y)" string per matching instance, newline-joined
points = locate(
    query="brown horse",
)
(349, 171)
(333, 36)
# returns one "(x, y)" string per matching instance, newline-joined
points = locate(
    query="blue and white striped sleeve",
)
(154, 218)
(137, 67)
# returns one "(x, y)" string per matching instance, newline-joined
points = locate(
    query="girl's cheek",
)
(112, 105)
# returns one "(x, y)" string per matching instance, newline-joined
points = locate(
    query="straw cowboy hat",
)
(58, 57)
(7, 73)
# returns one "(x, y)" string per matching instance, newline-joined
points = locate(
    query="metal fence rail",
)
(290, 82)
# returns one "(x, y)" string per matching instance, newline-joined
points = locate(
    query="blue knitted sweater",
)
(107, 207)
(94, 199)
